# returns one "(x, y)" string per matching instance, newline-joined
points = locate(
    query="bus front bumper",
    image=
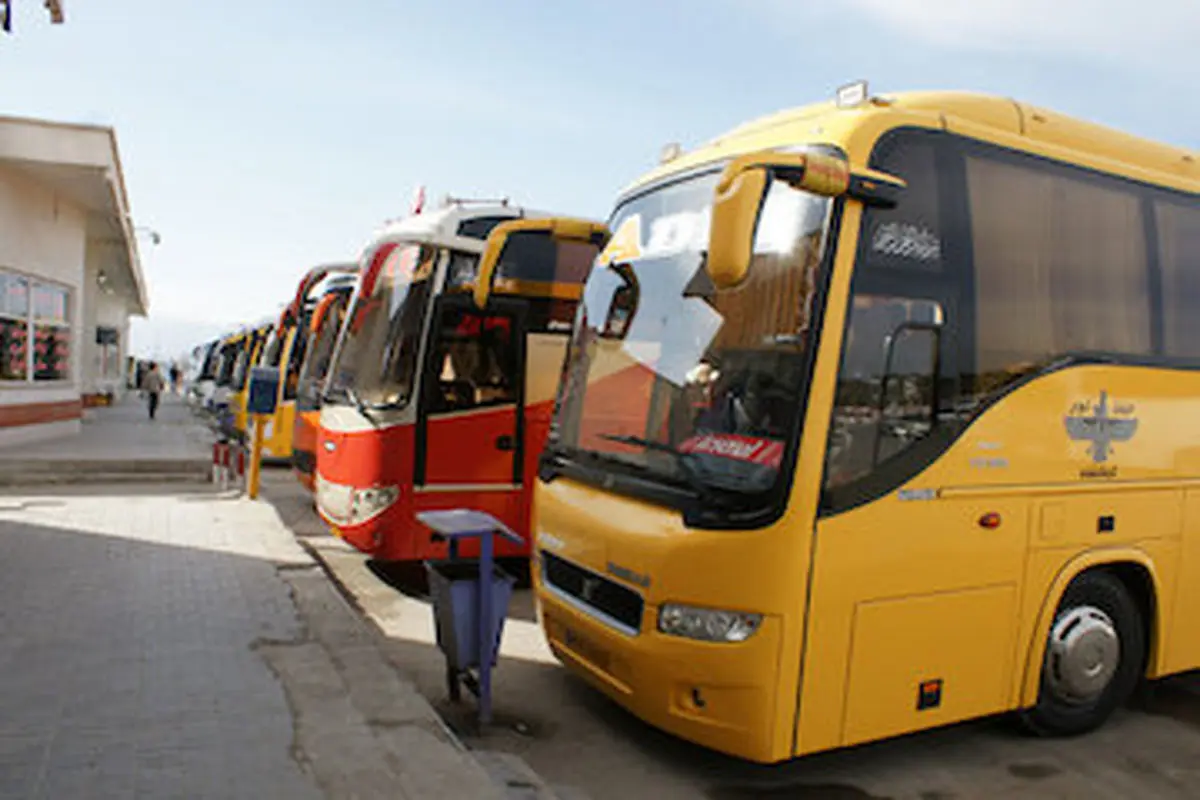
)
(720, 696)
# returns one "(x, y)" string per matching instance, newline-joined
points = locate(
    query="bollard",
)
(226, 453)
(253, 480)
(220, 449)
(241, 470)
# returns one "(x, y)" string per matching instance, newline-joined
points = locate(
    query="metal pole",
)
(485, 629)
(260, 424)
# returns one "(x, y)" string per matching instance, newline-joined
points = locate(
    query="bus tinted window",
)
(904, 307)
(273, 350)
(291, 380)
(885, 391)
(1060, 266)
(475, 361)
(537, 257)
(1178, 228)
(908, 236)
(550, 315)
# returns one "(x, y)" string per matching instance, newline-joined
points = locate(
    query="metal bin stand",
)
(469, 616)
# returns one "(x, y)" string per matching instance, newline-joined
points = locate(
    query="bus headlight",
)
(707, 625)
(371, 502)
(347, 505)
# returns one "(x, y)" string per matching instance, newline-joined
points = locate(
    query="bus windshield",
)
(376, 361)
(241, 369)
(677, 382)
(212, 359)
(316, 365)
(272, 351)
(229, 356)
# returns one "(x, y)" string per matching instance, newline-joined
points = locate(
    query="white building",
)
(70, 277)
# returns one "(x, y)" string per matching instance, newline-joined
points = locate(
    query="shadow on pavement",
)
(44, 494)
(574, 736)
(129, 670)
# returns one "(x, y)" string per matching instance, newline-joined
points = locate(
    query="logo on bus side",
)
(1100, 426)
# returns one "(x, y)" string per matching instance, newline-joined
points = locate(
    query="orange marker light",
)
(990, 521)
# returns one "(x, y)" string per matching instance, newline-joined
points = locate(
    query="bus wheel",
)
(1093, 660)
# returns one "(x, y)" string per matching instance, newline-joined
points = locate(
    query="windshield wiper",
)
(355, 400)
(687, 469)
(362, 407)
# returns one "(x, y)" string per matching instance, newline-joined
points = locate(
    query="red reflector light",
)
(990, 520)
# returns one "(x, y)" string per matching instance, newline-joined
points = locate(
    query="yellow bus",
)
(882, 414)
(278, 352)
(286, 349)
(248, 357)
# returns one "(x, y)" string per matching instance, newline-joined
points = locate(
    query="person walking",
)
(152, 385)
(175, 379)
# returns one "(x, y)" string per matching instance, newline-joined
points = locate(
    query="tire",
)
(1071, 700)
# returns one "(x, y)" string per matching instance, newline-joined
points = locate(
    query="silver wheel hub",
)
(1084, 652)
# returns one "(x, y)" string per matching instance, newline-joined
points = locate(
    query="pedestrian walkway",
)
(185, 645)
(129, 632)
(117, 443)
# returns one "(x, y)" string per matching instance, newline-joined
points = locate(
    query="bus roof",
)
(449, 226)
(987, 117)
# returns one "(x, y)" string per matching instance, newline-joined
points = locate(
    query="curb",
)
(376, 634)
(41, 473)
(509, 772)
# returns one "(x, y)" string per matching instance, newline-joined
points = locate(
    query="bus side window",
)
(885, 395)
(474, 362)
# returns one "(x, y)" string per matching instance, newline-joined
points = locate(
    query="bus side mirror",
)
(738, 201)
(557, 228)
(742, 189)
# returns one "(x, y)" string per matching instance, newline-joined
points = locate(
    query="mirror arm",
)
(934, 328)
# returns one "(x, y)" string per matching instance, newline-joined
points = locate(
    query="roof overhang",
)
(82, 164)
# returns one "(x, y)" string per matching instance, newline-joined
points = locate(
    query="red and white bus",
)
(432, 401)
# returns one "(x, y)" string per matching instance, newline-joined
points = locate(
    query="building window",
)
(39, 312)
(14, 327)
(51, 333)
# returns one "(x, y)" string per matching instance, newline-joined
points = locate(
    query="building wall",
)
(42, 236)
(102, 308)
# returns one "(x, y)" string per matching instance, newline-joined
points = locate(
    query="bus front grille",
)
(603, 597)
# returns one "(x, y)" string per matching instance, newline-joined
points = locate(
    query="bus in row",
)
(287, 350)
(433, 401)
(861, 419)
(876, 417)
(324, 325)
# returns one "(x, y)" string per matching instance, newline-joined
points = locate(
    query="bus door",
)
(470, 419)
(915, 591)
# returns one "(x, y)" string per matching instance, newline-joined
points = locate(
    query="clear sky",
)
(260, 137)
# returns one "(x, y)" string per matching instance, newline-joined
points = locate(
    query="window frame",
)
(951, 286)
(960, 341)
(32, 322)
(517, 311)
(435, 358)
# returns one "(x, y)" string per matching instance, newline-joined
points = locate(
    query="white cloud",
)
(1153, 31)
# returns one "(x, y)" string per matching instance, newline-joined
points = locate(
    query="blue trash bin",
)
(453, 590)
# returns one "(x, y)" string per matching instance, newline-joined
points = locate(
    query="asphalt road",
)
(573, 736)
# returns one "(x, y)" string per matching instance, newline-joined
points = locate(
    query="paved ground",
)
(128, 650)
(166, 640)
(574, 737)
(184, 645)
(116, 443)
